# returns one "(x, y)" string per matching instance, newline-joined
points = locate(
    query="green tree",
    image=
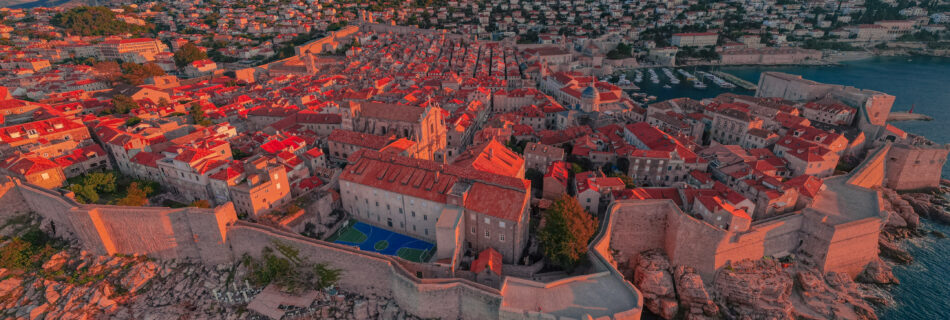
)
(622, 51)
(132, 121)
(84, 193)
(565, 232)
(326, 276)
(135, 74)
(188, 53)
(627, 180)
(101, 181)
(288, 270)
(122, 104)
(198, 114)
(108, 70)
(137, 196)
(93, 21)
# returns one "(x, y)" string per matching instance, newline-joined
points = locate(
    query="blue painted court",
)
(375, 239)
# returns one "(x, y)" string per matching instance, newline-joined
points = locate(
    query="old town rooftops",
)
(492, 157)
(391, 111)
(492, 194)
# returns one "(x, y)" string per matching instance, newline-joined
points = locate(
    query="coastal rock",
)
(754, 289)
(898, 207)
(652, 277)
(891, 251)
(833, 296)
(924, 205)
(692, 294)
(878, 272)
(56, 262)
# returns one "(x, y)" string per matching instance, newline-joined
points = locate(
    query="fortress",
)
(215, 236)
(837, 232)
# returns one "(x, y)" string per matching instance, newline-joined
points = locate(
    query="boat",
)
(669, 74)
(666, 86)
(653, 77)
(699, 85)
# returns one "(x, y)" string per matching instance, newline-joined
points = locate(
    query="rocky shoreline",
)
(788, 289)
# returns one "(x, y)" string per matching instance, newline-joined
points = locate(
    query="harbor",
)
(738, 81)
(645, 85)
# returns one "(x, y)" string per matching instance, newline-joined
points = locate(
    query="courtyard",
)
(375, 239)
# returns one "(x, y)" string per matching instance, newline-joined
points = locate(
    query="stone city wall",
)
(371, 273)
(185, 233)
(846, 247)
(642, 225)
(214, 236)
(915, 168)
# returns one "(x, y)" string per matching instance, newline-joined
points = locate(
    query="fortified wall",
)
(837, 232)
(184, 233)
(215, 236)
(911, 167)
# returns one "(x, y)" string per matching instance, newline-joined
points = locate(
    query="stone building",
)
(138, 50)
(43, 132)
(730, 126)
(539, 156)
(696, 39)
(492, 157)
(555, 180)
(343, 143)
(423, 125)
(873, 106)
(457, 208)
(914, 167)
(33, 169)
(256, 187)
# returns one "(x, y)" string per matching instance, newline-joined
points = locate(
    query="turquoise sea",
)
(924, 82)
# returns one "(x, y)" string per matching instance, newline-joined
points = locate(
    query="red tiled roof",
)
(487, 259)
(492, 194)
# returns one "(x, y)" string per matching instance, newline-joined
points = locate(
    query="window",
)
(487, 220)
(427, 231)
(501, 237)
(487, 234)
(413, 214)
(501, 224)
(377, 203)
(400, 210)
(473, 229)
(425, 218)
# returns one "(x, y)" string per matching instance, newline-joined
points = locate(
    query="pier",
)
(738, 81)
(906, 116)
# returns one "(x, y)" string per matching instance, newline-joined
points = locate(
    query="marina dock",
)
(906, 116)
(738, 81)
